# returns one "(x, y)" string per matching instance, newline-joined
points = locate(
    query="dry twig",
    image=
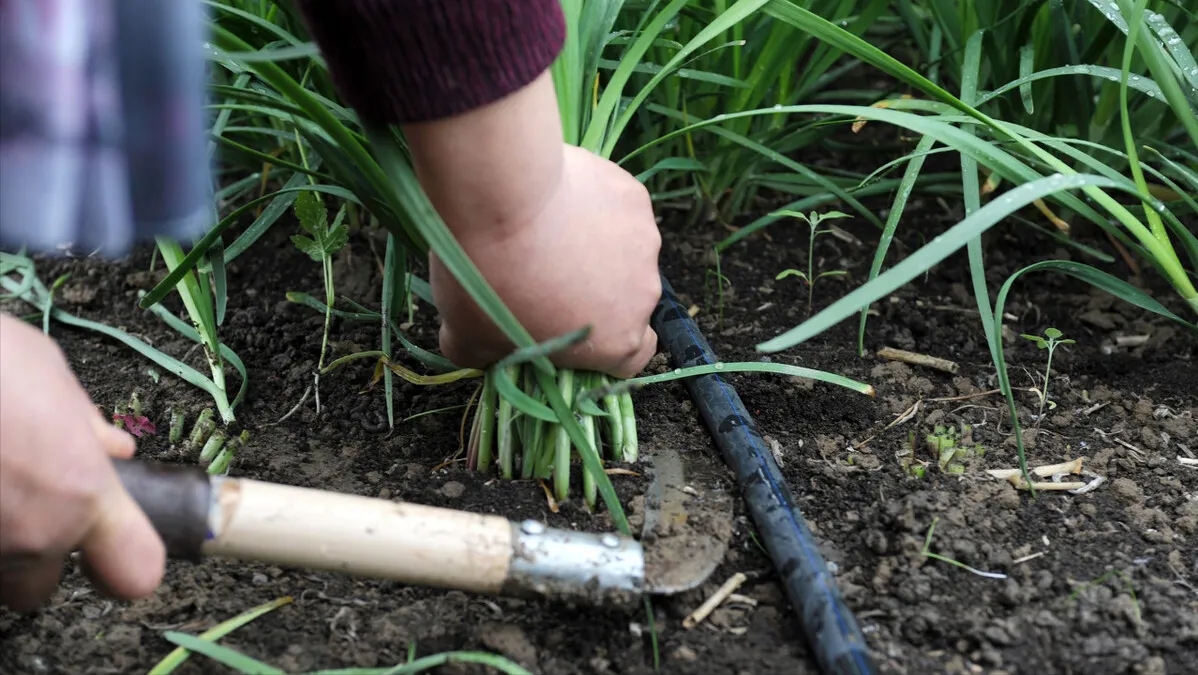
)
(933, 362)
(696, 617)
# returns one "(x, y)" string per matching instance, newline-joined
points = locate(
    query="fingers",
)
(29, 585)
(634, 365)
(116, 442)
(123, 554)
(475, 354)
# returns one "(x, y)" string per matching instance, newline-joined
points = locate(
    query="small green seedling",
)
(1131, 590)
(809, 277)
(722, 283)
(321, 243)
(1051, 338)
(926, 552)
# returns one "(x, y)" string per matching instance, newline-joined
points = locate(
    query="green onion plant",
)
(282, 86)
(1039, 166)
(595, 114)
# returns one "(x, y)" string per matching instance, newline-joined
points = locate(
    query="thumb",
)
(636, 363)
(115, 441)
(122, 553)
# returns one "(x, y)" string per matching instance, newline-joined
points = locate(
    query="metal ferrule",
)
(569, 566)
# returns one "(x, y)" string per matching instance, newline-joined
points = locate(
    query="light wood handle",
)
(314, 529)
(198, 515)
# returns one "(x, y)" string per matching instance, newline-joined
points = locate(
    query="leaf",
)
(223, 655)
(137, 425)
(176, 658)
(312, 214)
(338, 237)
(314, 219)
(790, 273)
(307, 245)
(1034, 338)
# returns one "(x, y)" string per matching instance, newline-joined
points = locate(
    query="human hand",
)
(567, 239)
(588, 256)
(58, 489)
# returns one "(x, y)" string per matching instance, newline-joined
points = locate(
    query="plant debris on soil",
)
(1105, 581)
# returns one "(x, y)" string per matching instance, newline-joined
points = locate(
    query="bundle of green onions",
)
(516, 426)
(515, 429)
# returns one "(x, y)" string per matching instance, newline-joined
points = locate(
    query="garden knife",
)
(198, 516)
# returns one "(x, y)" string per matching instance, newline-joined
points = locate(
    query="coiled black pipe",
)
(831, 629)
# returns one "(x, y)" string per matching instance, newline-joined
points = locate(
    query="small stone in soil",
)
(1127, 491)
(684, 653)
(511, 641)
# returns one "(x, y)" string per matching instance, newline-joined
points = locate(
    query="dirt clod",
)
(1127, 491)
(511, 641)
(684, 654)
(453, 489)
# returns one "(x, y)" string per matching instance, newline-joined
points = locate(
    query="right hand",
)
(59, 491)
(587, 256)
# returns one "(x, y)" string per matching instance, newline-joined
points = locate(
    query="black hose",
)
(830, 627)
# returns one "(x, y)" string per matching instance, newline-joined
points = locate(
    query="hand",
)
(566, 238)
(58, 489)
(588, 257)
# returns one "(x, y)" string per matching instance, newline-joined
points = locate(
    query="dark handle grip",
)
(176, 499)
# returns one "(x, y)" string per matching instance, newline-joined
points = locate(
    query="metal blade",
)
(688, 519)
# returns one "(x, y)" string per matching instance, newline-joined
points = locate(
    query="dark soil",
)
(1102, 582)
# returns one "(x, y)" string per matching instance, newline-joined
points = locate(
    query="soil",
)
(1100, 582)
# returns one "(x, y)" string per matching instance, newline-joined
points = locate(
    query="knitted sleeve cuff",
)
(405, 61)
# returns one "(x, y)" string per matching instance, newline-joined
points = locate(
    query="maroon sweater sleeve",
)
(403, 61)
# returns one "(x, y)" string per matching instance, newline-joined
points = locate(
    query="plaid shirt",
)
(102, 124)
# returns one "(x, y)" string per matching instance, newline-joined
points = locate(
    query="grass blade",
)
(892, 220)
(171, 661)
(223, 655)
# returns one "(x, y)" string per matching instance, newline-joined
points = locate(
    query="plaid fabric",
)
(102, 124)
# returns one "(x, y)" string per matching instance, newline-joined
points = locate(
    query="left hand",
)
(59, 491)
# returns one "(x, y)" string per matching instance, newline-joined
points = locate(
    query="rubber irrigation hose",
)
(829, 625)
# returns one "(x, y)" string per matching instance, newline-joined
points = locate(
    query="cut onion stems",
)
(514, 421)
(529, 446)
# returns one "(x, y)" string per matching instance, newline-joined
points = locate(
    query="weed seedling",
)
(1131, 590)
(1051, 338)
(809, 277)
(722, 283)
(321, 242)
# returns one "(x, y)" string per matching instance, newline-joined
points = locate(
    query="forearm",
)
(468, 82)
(493, 168)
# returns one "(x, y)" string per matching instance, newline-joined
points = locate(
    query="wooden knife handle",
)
(198, 515)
